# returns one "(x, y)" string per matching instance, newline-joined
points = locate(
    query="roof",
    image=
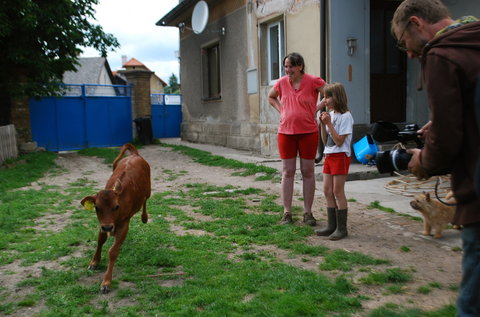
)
(88, 71)
(170, 19)
(133, 62)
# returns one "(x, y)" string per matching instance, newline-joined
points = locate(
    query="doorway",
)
(387, 66)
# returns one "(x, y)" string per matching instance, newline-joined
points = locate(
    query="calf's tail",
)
(130, 147)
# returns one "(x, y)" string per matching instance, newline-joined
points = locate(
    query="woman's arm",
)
(321, 105)
(320, 101)
(273, 99)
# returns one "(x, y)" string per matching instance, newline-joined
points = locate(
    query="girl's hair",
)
(296, 60)
(338, 95)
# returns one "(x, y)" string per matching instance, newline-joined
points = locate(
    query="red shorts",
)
(304, 144)
(336, 164)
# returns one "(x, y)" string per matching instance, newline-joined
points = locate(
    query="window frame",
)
(280, 50)
(208, 93)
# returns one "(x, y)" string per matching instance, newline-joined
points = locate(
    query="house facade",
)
(229, 66)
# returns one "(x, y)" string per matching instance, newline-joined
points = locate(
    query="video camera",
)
(391, 160)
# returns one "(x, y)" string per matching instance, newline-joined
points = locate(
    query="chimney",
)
(124, 59)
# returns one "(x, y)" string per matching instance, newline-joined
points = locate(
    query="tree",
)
(173, 86)
(39, 41)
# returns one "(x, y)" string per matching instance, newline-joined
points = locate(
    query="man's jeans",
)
(468, 303)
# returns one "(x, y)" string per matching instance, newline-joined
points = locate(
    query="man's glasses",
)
(401, 46)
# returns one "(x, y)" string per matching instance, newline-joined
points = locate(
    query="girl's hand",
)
(325, 118)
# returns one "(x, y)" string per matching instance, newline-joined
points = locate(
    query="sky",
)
(132, 22)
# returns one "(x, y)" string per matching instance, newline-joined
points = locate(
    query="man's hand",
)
(414, 166)
(423, 131)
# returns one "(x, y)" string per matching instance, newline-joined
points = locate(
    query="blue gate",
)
(86, 116)
(166, 115)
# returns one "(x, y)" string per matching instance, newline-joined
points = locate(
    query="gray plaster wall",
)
(226, 121)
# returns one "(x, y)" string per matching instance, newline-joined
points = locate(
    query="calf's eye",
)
(116, 207)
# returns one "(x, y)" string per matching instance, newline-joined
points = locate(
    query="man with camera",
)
(449, 51)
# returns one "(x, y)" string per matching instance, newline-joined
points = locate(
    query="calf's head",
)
(106, 205)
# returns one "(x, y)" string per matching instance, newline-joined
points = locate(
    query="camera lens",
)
(395, 160)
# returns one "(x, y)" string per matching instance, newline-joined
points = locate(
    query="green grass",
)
(108, 154)
(21, 173)
(345, 261)
(376, 205)
(426, 289)
(244, 169)
(391, 275)
(404, 248)
(232, 269)
(394, 310)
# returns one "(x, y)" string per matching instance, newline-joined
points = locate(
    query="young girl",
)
(336, 131)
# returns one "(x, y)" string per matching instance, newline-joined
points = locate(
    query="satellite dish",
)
(199, 17)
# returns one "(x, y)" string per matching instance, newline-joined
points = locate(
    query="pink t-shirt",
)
(297, 114)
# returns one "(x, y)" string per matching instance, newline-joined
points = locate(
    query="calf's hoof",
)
(93, 267)
(105, 289)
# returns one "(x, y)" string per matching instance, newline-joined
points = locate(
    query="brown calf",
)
(125, 193)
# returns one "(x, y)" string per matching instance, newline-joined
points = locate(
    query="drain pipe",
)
(323, 39)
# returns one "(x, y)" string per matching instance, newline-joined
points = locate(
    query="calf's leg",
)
(144, 212)
(102, 237)
(120, 235)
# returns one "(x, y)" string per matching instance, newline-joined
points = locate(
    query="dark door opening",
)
(387, 66)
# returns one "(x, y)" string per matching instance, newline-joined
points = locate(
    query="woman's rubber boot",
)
(331, 224)
(341, 231)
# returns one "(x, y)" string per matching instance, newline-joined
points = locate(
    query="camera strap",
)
(436, 194)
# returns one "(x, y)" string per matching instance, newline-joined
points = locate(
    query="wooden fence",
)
(8, 143)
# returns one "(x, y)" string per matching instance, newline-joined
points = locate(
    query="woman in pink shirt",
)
(295, 97)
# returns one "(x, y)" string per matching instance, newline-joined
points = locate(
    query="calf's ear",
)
(117, 188)
(88, 203)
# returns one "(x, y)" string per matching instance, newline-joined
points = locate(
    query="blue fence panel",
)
(43, 123)
(70, 123)
(109, 121)
(58, 123)
(121, 120)
(166, 115)
(82, 119)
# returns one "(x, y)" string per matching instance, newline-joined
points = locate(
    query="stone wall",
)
(20, 118)
(141, 103)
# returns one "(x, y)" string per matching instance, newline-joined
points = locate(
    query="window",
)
(276, 51)
(211, 72)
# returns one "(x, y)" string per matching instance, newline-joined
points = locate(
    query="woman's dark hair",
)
(296, 60)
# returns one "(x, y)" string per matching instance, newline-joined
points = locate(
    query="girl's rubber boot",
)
(331, 224)
(341, 231)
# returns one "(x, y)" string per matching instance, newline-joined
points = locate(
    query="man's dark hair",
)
(431, 11)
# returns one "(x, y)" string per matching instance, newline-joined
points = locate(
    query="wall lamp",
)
(351, 45)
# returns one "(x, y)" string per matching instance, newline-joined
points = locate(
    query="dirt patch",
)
(371, 232)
